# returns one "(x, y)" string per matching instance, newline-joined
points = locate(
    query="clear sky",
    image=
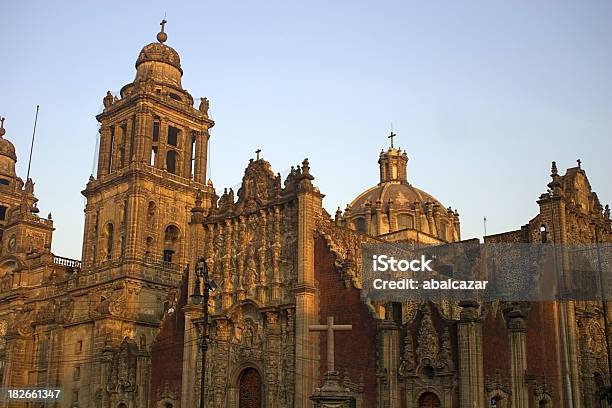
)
(482, 94)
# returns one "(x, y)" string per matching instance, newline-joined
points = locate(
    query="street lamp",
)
(197, 298)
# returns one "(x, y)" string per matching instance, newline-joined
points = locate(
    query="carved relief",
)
(122, 374)
(428, 337)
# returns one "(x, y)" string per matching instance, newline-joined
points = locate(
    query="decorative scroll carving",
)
(345, 245)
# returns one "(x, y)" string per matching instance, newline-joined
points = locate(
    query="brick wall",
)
(355, 351)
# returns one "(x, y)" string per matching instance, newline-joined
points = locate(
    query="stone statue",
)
(204, 105)
(108, 99)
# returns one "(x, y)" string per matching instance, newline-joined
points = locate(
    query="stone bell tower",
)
(151, 167)
(152, 160)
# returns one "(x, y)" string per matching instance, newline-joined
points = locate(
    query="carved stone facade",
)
(119, 330)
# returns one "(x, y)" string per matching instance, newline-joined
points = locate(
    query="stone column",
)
(515, 314)
(162, 144)
(199, 173)
(368, 218)
(144, 134)
(134, 236)
(392, 218)
(471, 376)
(306, 356)
(185, 146)
(116, 148)
(104, 150)
(129, 140)
(388, 333)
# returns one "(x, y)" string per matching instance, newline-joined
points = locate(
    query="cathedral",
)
(119, 328)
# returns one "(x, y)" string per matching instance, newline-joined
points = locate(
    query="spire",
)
(162, 36)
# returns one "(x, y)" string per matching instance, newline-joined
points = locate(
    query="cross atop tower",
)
(579, 163)
(391, 136)
(330, 327)
(257, 152)
(162, 36)
(2, 122)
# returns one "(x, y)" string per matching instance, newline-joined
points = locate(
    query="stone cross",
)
(257, 152)
(579, 163)
(163, 24)
(330, 327)
(391, 136)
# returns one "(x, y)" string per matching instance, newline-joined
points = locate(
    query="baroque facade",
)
(117, 329)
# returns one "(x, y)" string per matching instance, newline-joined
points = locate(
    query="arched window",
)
(193, 155)
(109, 240)
(149, 246)
(543, 234)
(171, 242)
(173, 136)
(171, 161)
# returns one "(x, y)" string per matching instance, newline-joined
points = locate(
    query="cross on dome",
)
(162, 36)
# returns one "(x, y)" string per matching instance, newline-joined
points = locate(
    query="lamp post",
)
(197, 298)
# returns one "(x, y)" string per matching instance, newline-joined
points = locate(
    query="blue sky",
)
(482, 94)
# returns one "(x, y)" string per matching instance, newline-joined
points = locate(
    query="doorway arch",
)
(429, 400)
(250, 389)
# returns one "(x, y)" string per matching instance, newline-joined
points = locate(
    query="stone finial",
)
(2, 131)
(607, 211)
(338, 217)
(306, 168)
(553, 169)
(197, 212)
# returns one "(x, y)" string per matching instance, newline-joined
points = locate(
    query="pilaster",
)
(471, 375)
(515, 314)
(307, 359)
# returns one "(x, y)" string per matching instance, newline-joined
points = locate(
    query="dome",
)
(6, 148)
(159, 52)
(159, 62)
(401, 194)
(394, 207)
